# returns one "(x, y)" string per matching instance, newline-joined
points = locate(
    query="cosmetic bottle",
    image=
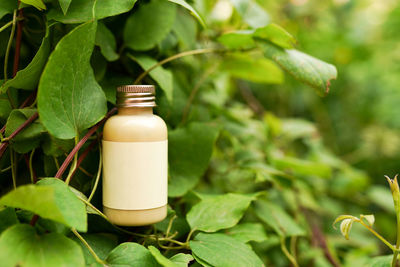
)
(135, 160)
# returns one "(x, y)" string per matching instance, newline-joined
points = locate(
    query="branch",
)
(183, 54)
(318, 238)
(79, 145)
(20, 25)
(250, 99)
(85, 153)
(24, 104)
(4, 145)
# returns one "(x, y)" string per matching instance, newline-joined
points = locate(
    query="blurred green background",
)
(359, 119)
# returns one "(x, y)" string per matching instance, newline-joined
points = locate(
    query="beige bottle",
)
(135, 164)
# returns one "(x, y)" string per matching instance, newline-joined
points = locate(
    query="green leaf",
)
(185, 28)
(21, 246)
(162, 76)
(5, 107)
(191, 9)
(69, 98)
(106, 41)
(303, 167)
(131, 254)
(181, 259)
(7, 7)
(238, 39)
(28, 138)
(222, 250)
(381, 261)
(259, 70)
(51, 199)
(275, 34)
(110, 82)
(56, 147)
(161, 259)
(345, 227)
(28, 78)
(305, 68)
(246, 232)
(36, 3)
(149, 25)
(7, 218)
(214, 213)
(200, 262)
(189, 159)
(102, 244)
(64, 4)
(251, 12)
(72, 209)
(278, 219)
(82, 10)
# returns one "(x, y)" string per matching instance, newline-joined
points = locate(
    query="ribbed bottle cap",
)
(136, 96)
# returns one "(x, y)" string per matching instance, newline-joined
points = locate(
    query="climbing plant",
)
(246, 188)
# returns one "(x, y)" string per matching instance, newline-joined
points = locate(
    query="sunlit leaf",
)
(246, 232)
(20, 245)
(305, 68)
(51, 199)
(69, 98)
(218, 212)
(345, 227)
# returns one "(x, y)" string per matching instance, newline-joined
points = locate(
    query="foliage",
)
(248, 186)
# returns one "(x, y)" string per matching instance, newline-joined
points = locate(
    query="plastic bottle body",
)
(139, 133)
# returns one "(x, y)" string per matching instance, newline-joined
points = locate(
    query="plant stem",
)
(13, 172)
(97, 176)
(4, 144)
(31, 168)
(170, 225)
(7, 54)
(6, 169)
(378, 236)
(190, 235)
(154, 237)
(396, 253)
(183, 54)
(74, 163)
(88, 247)
(5, 26)
(288, 255)
(196, 88)
(18, 39)
(78, 146)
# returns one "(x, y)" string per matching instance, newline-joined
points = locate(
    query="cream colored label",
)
(135, 175)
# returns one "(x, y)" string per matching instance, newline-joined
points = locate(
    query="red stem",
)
(34, 219)
(84, 154)
(79, 145)
(20, 25)
(24, 104)
(4, 145)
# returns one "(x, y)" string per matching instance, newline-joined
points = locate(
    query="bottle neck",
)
(135, 111)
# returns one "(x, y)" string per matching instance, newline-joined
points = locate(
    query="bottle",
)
(135, 160)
